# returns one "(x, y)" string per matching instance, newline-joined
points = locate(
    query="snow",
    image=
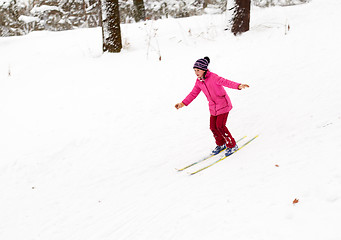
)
(89, 141)
(28, 19)
(43, 8)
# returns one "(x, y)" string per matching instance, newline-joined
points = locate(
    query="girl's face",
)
(199, 72)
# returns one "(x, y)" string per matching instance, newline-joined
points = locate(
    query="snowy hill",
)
(89, 142)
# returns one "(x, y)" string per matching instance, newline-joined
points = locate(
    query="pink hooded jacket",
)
(213, 87)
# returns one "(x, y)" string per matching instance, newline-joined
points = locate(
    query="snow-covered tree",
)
(19, 17)
(64, 15)
(112, 41)
(268, 3)
(230, 6)
(10, 12)
(140, 12)
(81, 12)
(238, 15)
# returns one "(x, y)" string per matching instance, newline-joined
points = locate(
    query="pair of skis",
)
(219, 160)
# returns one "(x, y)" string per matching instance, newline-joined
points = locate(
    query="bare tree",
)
(111, 29)
(238, 12)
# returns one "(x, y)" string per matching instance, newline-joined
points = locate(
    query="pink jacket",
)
(213, 87)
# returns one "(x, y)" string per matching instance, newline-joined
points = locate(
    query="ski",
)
(205, 158)
(222, 158)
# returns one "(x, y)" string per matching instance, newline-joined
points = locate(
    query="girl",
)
(219, 103)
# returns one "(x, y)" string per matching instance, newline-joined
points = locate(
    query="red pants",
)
(220, 131)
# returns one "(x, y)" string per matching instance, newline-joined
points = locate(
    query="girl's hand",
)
(179, 105)
(242, 86)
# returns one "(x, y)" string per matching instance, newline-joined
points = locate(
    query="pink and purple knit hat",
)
(202, 63)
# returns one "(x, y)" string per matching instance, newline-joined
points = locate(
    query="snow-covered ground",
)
(89, 142)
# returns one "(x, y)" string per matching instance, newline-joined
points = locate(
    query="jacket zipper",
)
(215, 105)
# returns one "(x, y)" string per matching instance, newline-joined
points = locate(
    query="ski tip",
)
(256, 136)
(192, 173)
(241, 138)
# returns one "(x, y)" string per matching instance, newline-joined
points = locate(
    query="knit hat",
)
(202, 63)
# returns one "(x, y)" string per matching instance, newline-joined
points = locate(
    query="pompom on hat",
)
(202, 63)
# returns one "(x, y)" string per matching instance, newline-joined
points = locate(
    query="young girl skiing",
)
(219, 103)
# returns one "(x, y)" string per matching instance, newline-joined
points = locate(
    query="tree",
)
(139, 11)
(238, 12)
(111, 30)
(9, 19)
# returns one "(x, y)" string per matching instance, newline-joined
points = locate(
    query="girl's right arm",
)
(190, 97)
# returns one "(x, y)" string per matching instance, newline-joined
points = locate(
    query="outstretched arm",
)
(227, 83)
(191, 96)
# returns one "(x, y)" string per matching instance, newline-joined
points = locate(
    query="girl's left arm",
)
(230, 84)
(227, 83)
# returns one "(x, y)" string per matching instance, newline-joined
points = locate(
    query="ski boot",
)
(218, 149)
(229, 151)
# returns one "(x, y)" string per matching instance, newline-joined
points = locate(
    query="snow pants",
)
(220, 131)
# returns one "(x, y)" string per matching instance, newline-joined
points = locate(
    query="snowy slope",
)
(89, 142)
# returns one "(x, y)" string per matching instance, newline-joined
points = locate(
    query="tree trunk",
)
(111, 30)
(140, 12)
(241, 17)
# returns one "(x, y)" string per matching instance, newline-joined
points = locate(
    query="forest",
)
(20, 17)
